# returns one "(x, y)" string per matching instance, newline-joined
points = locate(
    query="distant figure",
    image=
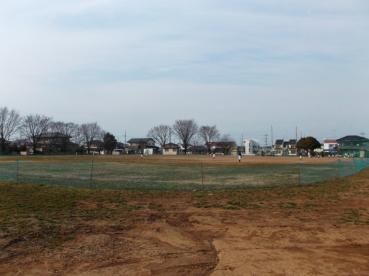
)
(213, 155)
(239, 157)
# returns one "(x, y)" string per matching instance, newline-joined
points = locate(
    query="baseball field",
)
(77, 215)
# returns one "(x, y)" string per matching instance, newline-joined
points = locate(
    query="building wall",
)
(170, 152)
(251, 147)
(330, 146)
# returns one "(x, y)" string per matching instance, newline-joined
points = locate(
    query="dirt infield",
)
(178, 160)
(310, 230)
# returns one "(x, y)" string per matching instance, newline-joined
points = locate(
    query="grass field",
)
(282, 230)
(171, 173)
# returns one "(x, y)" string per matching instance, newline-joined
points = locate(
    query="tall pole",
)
(17, 176)
(266, 140)
(202, 175)
(92, 170)
(272, 136)
(296, 134)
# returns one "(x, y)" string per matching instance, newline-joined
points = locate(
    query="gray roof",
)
(353, 139)
(140, 140)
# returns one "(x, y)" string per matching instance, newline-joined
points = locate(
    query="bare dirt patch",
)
(311, 230)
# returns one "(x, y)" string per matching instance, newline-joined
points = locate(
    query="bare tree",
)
(89, 133)
(10, 121)
(78, 137)
(161, 134)
(227, 138)
(209, 134)
(185, 130)
(69, 130)
(34, 127)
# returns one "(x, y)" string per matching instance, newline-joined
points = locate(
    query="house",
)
(23, 146)
(330, 147)
(223, 147)
(353, 146)
(96, 147)
(251, 147)
(56, 142)
(170, 149)
(142, 146)
(120, 149)
(278, 147)
(292, 147)
(285, 148)
(196, 149)
(49, 143)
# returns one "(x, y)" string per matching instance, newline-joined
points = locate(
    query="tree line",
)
(187, 133)
(34, 127)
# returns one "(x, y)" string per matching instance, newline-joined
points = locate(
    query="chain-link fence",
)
(115, 175)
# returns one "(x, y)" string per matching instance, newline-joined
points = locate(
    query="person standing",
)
(239, 157)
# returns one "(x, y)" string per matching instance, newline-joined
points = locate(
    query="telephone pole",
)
(296, 133)
(266, 140)
(272, 136)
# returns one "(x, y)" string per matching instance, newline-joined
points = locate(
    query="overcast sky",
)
(243, 65)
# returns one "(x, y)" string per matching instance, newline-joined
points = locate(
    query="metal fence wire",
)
(115, 175)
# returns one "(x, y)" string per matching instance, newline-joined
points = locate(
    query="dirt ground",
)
(178, 160)
(311, 230)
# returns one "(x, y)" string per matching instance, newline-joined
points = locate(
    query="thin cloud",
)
(252, 53)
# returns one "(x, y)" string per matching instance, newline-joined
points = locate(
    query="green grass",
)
(180, 177)
(47, 213)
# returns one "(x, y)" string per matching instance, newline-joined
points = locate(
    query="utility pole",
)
(272, 136)
(266, 140)
(296, 134)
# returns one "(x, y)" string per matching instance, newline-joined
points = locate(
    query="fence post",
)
(338, 169)
(299, 176)
(202, 175)
(91, 171)
(17, 170)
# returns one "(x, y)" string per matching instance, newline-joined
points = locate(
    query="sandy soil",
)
(310, 231)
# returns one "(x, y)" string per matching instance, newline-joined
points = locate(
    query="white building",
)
(330, 146)
(251, 147)
(170, 149)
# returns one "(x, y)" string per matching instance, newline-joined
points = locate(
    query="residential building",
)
(140, 145)
(278, 147)
(170, 149)
(223, 147)
(55, 142)
(251, 147)
(354, 146)
(96, 147)
(330, 146)
(120, 149)
(285, 148)
(291, 147)
(196, 149)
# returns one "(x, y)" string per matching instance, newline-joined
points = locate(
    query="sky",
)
(244, 65)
